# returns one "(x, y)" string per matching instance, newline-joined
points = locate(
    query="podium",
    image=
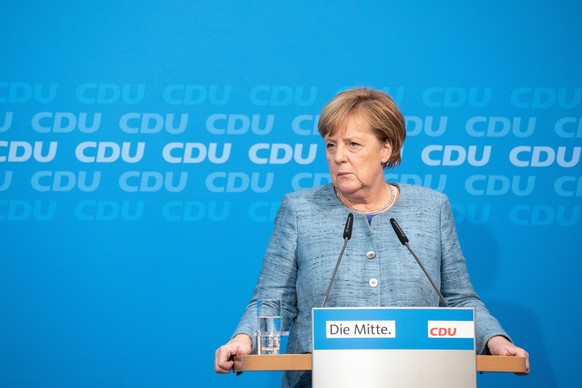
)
(402, 347)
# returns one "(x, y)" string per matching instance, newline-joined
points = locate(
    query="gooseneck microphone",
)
(404, 240)
(347, 236)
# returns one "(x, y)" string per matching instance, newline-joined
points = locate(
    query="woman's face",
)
(356, 158)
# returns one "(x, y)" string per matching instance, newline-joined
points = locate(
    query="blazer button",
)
(373, 282)
(370, 255)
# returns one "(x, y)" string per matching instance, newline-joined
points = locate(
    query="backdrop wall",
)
(145, 146)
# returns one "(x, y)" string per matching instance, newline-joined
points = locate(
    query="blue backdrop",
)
(145, 146)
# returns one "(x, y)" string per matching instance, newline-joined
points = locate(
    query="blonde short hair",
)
(376, 107)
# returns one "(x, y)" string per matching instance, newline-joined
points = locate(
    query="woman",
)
(364, 132)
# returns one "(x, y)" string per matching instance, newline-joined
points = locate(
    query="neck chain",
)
(372, 212)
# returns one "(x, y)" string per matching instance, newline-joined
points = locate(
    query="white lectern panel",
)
(393, 347)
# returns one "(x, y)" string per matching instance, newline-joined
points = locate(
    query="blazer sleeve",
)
(456, 285)
(278, 276)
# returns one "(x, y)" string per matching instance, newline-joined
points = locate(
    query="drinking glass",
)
(269, 326)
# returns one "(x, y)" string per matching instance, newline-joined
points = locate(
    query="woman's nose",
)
(340, 154)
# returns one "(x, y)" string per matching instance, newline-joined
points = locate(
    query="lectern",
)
(396, 347)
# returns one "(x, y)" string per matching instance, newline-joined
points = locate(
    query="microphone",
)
(404, 240)
(347, 236)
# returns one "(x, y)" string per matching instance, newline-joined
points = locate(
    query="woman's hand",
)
(501, 346)
(237, 346)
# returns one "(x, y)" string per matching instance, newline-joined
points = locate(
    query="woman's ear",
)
(386, 152)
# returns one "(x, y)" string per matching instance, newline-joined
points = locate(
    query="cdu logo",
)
(451, 329)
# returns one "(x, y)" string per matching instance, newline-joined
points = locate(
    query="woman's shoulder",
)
(312, 194)
(313, 201)
(420, 196)
(420, 192)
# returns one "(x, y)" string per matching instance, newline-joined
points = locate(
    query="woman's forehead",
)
(354, 121)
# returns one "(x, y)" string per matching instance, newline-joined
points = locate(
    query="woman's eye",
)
(330, 146)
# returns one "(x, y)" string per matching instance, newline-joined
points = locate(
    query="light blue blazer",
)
(376, 269)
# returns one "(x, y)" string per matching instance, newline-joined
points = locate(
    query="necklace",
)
(372, 212)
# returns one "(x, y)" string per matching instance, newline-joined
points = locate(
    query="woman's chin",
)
(347, 189)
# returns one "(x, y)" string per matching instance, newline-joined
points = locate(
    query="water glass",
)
(268, 326)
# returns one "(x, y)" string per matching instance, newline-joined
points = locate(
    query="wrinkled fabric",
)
(307, 239)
